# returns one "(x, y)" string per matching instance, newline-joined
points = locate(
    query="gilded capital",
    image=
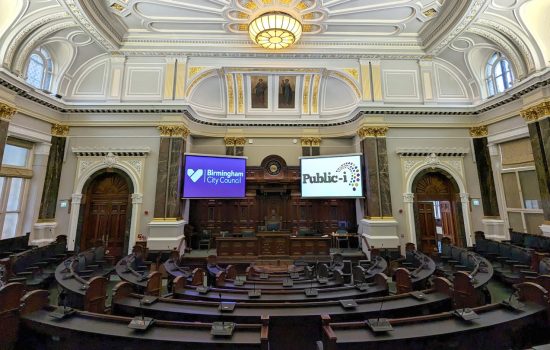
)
(234, 141)
(180, 131)
(372, 131)
(534, 113)
(6, 111)
(479, 131)
(311, 141)
(173, 131)
(60, 130)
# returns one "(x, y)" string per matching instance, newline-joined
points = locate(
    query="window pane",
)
(500, 84)
(530, 189)
(2, 180)
(515, 221)
(533, 221)
(10, 225)
(35, 71)
(490, 87)
(14, 198)
(511, 190)
(15, 156)
(498, 69)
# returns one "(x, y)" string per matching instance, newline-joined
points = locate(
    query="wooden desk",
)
(272, 244)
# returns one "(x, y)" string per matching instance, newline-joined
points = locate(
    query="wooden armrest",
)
(17, 279)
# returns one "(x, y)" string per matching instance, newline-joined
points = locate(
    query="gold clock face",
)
(273, 167)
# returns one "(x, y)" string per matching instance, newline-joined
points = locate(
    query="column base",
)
(494, 229)
(43, 233)
(166, 235)
(545, 228)
(379, 234)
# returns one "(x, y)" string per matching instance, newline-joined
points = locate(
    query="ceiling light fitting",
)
(275, 30)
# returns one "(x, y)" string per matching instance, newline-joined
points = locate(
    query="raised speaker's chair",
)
(205, 240)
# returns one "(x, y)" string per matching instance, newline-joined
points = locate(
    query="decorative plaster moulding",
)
(438, 151)
(104, 152)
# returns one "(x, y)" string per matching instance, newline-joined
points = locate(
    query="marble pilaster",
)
(377, 181)
(486, 180)
(384, 178)
(162, 178)
(166, 231)
(53, 177)
(540, 143)
(372, 202)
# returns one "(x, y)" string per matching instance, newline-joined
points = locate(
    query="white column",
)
(465, 200)
(408, 200)
(73, 220)
(137, 200)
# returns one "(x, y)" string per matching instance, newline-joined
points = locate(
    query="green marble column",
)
(485, 172)
(168, 202)
(377, 181)
(6, 112)
(539, 133)
(538, 123)
(53, 173)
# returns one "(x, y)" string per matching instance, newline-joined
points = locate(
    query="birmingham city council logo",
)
(194, 175)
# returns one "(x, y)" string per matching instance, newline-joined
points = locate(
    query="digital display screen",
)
(332, 176)
(214, 176)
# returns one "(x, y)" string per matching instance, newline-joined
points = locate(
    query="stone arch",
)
(455, 169)
(87, 167)
(91, 181)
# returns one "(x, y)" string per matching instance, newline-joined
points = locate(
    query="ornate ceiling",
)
(406, 27)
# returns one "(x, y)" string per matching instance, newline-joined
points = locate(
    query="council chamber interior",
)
(274, 174)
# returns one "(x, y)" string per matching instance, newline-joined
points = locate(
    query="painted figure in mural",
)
(261, 86)
(286, 92)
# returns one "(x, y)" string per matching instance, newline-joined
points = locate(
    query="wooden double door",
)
(107, 213)
(436, 206)
(428, 223)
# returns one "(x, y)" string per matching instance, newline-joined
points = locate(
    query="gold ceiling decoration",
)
(275, 30)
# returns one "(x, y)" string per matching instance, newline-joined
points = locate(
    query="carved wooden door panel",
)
(428, 235)
(106, 213)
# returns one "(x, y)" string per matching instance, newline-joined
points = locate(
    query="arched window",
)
(499, 74)
(39, 70)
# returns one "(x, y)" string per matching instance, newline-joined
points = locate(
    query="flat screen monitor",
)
(211, 176)
(332, 176)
